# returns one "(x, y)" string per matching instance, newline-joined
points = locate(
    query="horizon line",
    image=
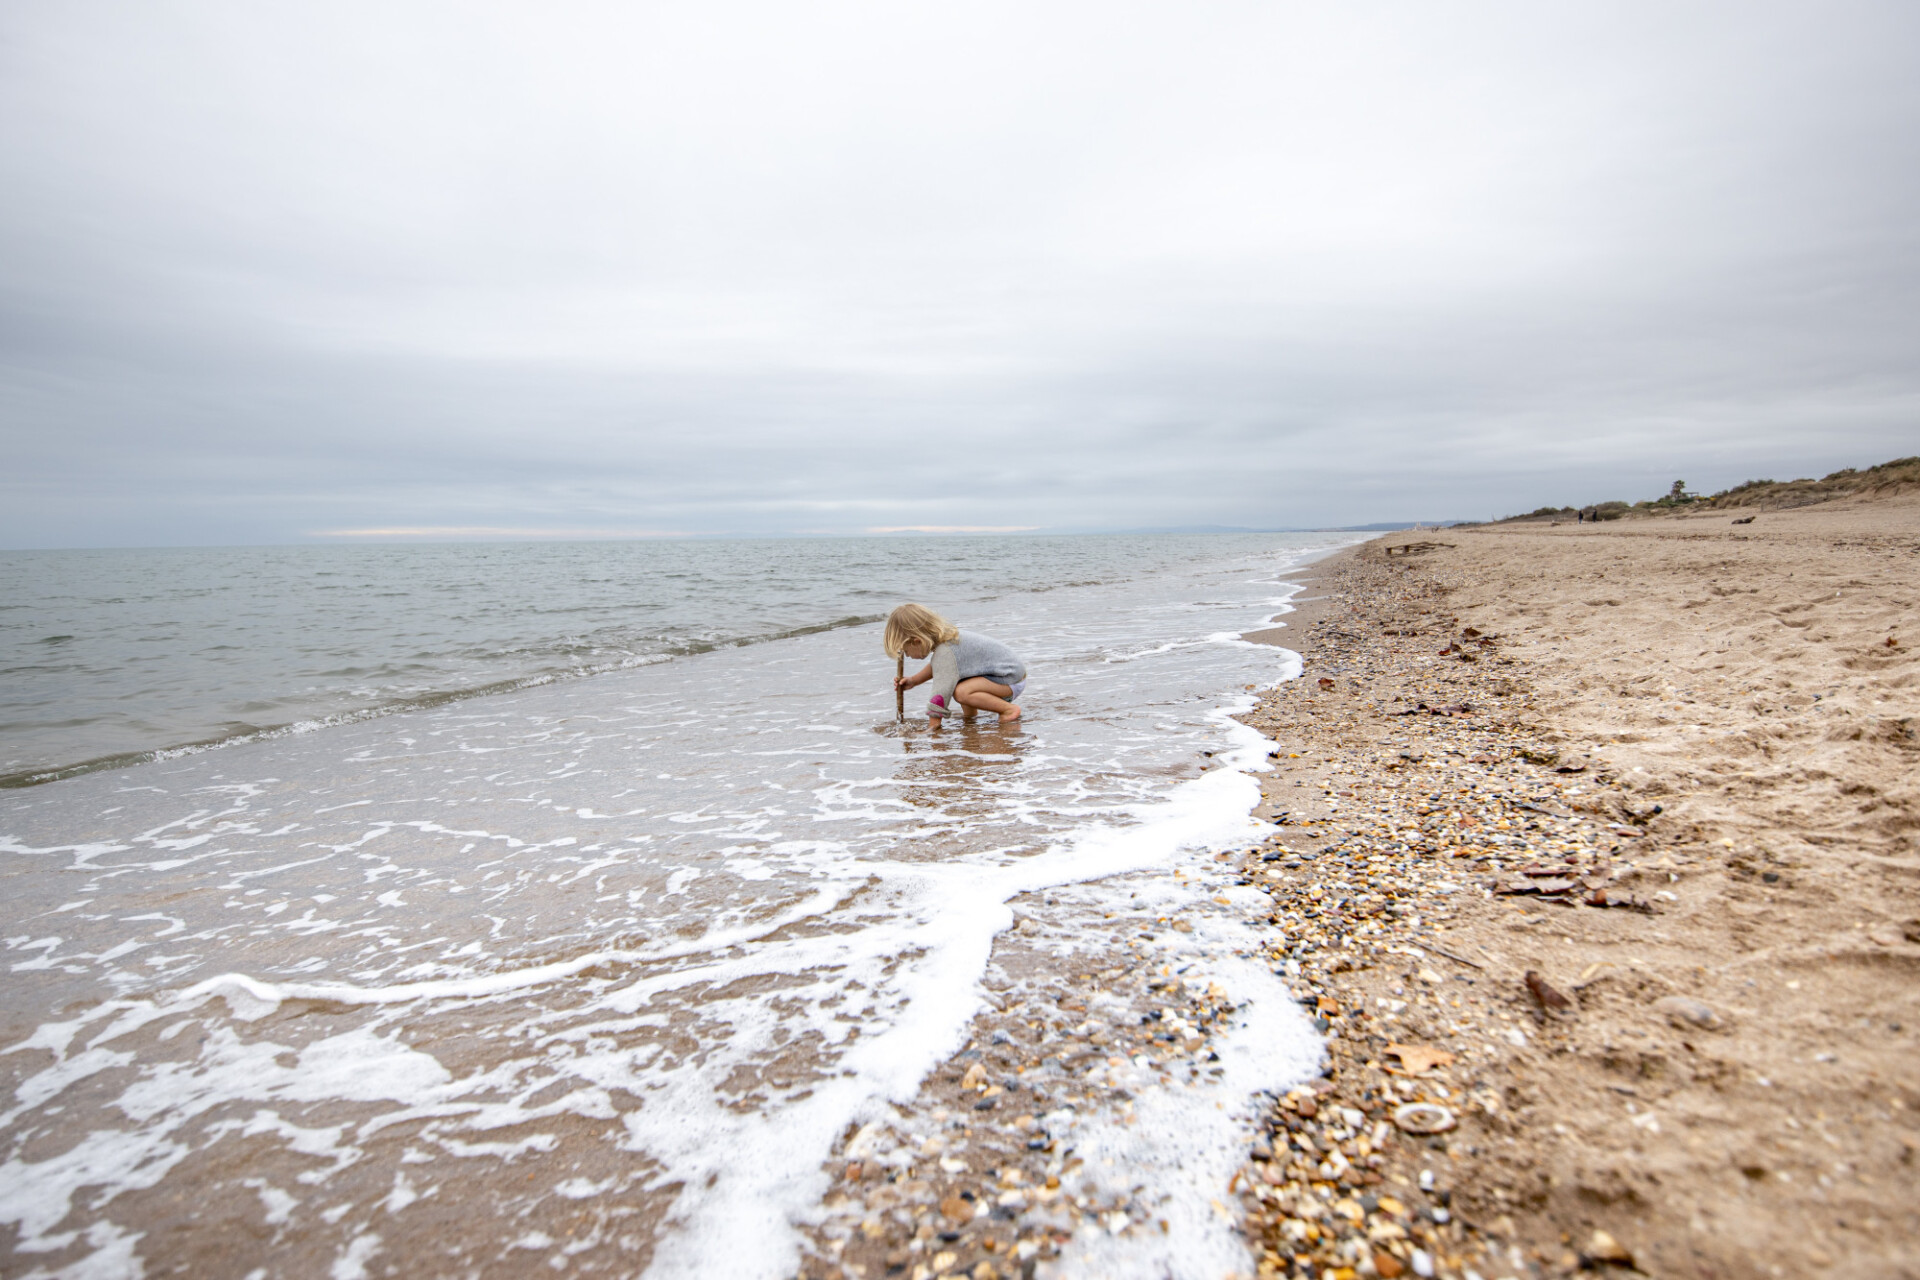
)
(954, 528)
(487, 531)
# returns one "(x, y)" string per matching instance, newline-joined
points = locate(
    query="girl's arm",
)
(943, 668)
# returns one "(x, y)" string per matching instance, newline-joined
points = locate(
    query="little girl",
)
(969, 671)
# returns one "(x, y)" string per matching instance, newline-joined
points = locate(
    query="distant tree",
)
(1676, 496)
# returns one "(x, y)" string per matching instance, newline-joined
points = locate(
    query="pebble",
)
(1604, 1248)
(1686, 1013)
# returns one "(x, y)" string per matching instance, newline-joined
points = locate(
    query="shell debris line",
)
(1093, 1121)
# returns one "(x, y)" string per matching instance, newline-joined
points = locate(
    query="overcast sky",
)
(287, 271)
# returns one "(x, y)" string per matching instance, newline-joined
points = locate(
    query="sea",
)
(499, 909)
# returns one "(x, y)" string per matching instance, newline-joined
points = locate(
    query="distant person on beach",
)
(969, 671)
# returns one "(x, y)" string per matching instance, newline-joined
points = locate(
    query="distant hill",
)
(1902, 475)
(1390, 526)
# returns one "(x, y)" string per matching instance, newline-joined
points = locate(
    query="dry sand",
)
(1733, 1087)
(1666, 767)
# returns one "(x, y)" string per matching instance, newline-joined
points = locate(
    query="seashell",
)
(1423, 1118)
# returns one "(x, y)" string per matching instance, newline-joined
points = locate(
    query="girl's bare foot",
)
(1010, 714)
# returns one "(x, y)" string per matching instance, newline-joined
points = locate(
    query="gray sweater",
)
(971, 655)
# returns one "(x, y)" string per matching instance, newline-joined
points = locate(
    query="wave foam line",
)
(250, 998)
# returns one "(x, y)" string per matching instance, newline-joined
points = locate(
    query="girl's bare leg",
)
(977, 693)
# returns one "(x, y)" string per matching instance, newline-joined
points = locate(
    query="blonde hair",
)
(917, 622)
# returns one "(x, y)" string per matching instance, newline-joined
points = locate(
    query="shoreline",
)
(1603, 988)
(1098, 1107)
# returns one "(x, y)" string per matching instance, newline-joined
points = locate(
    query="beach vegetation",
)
(1596, 511)
(1901, 475)
(1677, 496)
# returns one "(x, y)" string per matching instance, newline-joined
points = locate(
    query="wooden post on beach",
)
(899, 694)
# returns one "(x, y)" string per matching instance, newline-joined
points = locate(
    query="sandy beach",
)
(1628, 815)
(1594, 860)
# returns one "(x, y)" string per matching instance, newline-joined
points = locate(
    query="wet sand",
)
(589, 977)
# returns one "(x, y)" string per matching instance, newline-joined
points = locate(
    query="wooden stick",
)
(1449, 955)
(899, 694)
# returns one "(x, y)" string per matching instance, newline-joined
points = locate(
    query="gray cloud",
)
(763, 268)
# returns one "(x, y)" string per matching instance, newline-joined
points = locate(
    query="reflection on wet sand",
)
(960, 771)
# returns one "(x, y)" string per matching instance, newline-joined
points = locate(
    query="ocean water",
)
(114, 657)
(561, 906)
